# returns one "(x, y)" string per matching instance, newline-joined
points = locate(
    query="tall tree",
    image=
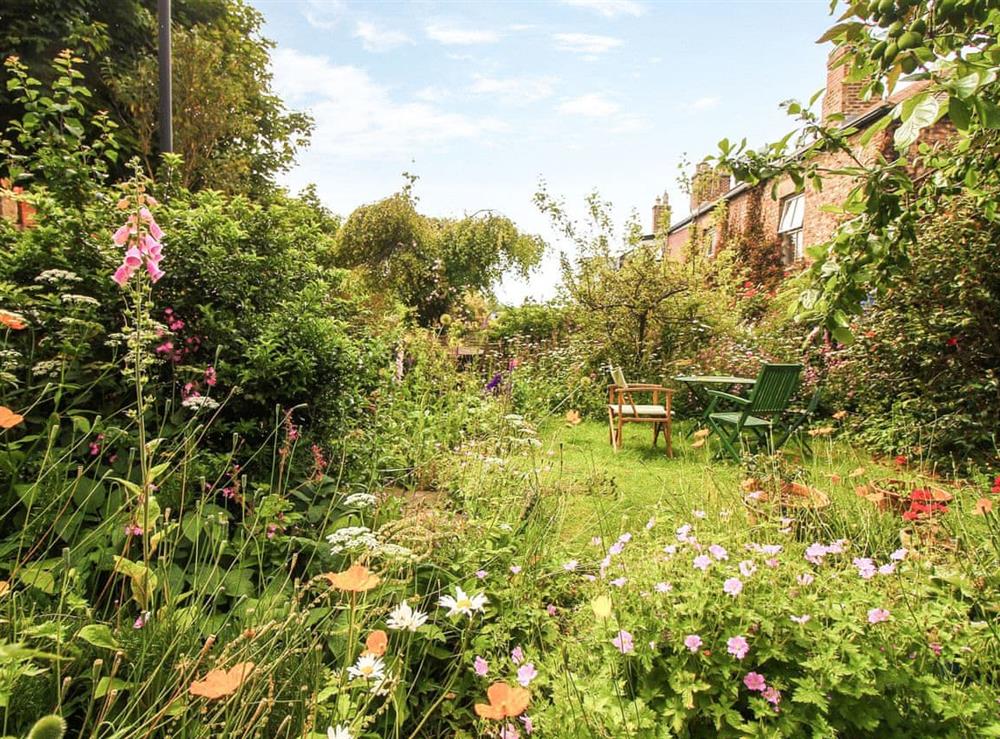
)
(234, 133)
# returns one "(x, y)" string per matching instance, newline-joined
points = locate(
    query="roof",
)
(860, 121)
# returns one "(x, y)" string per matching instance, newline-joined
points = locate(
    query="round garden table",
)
(699, 385)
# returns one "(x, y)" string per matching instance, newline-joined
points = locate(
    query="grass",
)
(604, 492)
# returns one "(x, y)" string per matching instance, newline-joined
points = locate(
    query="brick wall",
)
(841, 96)
(13, 208)
(819, 223)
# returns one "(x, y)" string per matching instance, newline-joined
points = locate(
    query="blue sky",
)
(480, 100)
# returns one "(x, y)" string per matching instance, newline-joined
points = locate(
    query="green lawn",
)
(607, 492)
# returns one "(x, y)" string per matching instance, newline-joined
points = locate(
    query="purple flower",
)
(663, 587)
(815, 553)
(718, 552)
(623, 641)
(732, 587)
(805, 579)
(481, 574)
(747, 567)
(737, 646)
(571, 565)
(702, 562)
(517, 655)
(616, 548)
(619, 582)
(494, 382)
(898, 556)
(887, 569)
(480, 666)
(526, 673)
(515, 569)
(550, 609)
(528, 726)
(509, 731)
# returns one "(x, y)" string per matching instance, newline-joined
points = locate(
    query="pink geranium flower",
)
(737, 646)
(480, 666)
(732, 587)
(772, 696)
(692, 642)
(702, 562)
(526, 673)
(755, 681)
(878, 615)
(623, 642)
(517, 655)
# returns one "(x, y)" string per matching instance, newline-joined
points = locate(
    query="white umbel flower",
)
(463, 603)
(404, 618)
(368, 667)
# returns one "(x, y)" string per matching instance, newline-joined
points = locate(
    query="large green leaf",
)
(917, 113)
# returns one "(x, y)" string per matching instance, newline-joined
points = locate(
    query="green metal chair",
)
(793, 421)
(760, 413)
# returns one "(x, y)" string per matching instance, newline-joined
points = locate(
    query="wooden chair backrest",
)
(775, 386)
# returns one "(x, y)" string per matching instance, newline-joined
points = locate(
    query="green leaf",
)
(98, 635)
(880, 125)
(989, 113)
(110, 683)
(918, 113)
(843, 335)
(39, 575)
(960, 113)
(966, 86)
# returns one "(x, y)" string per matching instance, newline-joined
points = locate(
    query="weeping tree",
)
(431, 264)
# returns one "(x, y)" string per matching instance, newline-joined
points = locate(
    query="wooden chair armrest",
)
(719, 394)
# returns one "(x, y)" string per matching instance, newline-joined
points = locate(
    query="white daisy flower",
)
(463, 603)
(368, 667)
(404, 618)
(340, 731)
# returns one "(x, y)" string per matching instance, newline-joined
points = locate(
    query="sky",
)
(482, 100)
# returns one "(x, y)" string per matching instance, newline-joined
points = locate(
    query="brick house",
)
(13, 209)
(796, 220)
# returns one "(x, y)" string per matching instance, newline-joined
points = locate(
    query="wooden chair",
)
(623, 409)
(759, 413)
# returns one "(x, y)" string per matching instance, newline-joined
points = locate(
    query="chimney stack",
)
(707, 185)
(841, 96)
(661, 213)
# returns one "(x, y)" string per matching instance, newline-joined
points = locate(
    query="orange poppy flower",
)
(355, 579)
(9, 419)
(220, 683)
(983, 506)
(12, 320)
(376, 642)
(506, 701)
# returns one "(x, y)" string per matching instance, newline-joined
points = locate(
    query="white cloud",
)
(357, 117)
(609, 8)
(432, 94)
(585, 43)
(703, 103)
(455, 36)
(374, 38)
(592, 105)
(324, 14)
(630, 124)
(514, 89)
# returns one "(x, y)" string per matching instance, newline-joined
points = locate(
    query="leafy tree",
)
(633, 306)
(951, 47)
(430, 263)
(234, 133)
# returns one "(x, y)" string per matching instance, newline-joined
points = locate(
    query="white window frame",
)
(792, 217)
(710, 240)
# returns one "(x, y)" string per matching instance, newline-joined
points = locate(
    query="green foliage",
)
(430, 264)
(48, 727)
(234, 133)
(923, 373)
(951, 47)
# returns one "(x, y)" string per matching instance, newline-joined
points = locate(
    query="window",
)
(790, 227)
(710, 242)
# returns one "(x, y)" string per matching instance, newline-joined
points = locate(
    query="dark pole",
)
(166, 84)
